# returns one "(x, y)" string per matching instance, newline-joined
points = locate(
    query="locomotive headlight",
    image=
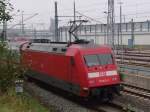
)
(114, 79)
(85, 88)
(93, 75)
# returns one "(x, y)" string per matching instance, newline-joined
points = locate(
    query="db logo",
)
(102, 74)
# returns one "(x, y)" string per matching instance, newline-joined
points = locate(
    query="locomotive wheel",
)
(110, 97)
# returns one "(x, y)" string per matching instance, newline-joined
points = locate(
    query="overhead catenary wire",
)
(94, 5)
(90, 18)
(83, 7)
(127, 15)
(92, 8)
(24, 20)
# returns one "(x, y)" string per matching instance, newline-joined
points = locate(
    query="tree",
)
(10, 68)
(5, 9)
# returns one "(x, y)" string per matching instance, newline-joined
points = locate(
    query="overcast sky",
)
(137, 9)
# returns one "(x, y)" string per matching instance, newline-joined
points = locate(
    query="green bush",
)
(10, 69)
(11, 102)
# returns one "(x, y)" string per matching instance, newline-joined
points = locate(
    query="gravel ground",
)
(54, 102)
(136, 103)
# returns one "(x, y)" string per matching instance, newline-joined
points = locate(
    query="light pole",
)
(121, 40)
(120, 3)
(22, 22)
(106, 27)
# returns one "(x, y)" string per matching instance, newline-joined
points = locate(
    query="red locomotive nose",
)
(101, 69)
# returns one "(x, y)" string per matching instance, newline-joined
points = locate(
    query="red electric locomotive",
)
(84, 69)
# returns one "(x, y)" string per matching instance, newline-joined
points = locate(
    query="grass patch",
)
(11, 102)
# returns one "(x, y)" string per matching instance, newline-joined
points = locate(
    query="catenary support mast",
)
(110, 24)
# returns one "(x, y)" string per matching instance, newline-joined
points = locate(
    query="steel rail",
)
(138, 91)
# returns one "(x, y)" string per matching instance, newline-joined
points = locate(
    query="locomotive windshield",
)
(98, 59)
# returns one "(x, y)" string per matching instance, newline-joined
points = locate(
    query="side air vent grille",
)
(54, 49)
(63, 49)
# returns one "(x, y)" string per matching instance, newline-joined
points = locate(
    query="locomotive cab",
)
(101, 71)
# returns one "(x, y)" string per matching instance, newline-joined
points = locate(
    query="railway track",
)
(68, 103)
(137, 91)
(108, 107)
(137, 58)
(134, 64)
(145, 52)
(138, 55)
